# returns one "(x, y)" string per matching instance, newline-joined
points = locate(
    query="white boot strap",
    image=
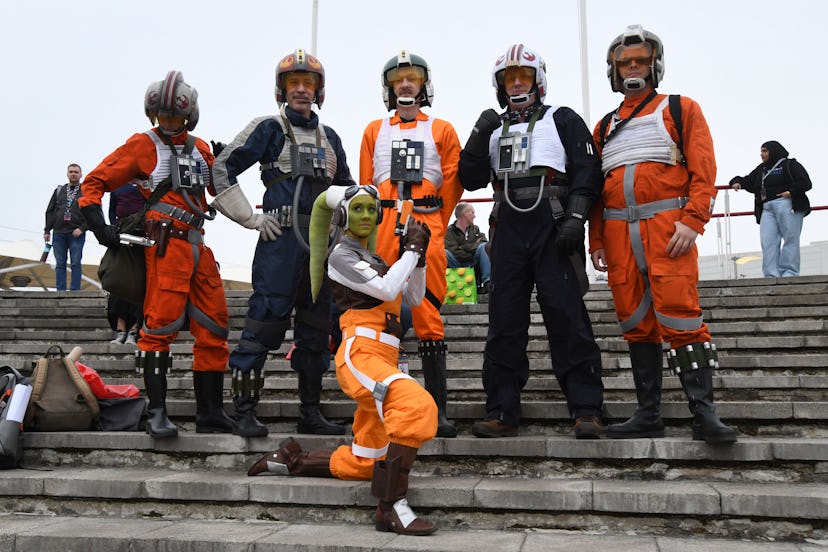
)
(278, 468)
(404, 512)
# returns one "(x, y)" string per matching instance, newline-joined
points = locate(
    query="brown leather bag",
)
(61, 398)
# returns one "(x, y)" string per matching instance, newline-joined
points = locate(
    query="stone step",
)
(47, 533)
(530, 455)
(748, 307)
(470, 502)
(546, 411)
(817, 342)
(543, 382)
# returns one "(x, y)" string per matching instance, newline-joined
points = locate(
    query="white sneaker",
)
(131, 338)
(120, 337)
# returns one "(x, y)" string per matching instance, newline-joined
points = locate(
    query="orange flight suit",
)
(426, 317)
(410, 415)
(172, 280)
(673, 281)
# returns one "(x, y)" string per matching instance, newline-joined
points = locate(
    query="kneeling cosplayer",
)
(394, 414)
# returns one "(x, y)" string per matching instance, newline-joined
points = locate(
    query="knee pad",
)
(269, 333)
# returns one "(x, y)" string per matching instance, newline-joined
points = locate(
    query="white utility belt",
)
(362, 331)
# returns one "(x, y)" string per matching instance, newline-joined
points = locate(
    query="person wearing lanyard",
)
(779, 185)
(64, 218)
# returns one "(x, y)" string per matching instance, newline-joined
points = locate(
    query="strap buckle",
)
(379, 391)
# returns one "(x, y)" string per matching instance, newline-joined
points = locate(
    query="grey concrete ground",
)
(30, 533)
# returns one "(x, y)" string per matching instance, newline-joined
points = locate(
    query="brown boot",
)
(290, 459)
(389, 483)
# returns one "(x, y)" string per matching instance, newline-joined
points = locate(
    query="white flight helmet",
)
(635, 34)
(172, 96)
(517, 55)
(406, 59)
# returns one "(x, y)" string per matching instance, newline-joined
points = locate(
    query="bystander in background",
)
(780, 206)
(125, 318)
(64, 218)
(466, 245)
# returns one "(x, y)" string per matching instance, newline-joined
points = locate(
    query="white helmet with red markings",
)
(172, 97)
(517, 55)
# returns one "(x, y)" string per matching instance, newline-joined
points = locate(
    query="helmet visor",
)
(641, 54)
(526, 75)
(413, 73)
(310, 81)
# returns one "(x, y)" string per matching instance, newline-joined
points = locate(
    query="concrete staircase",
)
(538, 491)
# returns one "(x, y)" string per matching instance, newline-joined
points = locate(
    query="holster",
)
(159, 230)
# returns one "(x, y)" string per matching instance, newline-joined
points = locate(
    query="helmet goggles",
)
(641, 54)
(294, 78)
(526, 75)
(413, 73)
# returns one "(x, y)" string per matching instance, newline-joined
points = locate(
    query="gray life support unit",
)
(512, 159)
(407, 161)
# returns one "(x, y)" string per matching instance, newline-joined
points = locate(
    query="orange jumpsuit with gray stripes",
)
(391, 406)
(185, 280)
(647, 189)
(440, 183)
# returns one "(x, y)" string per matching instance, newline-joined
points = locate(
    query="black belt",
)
(286, 218)
(179, 214)
(192, 236)
(427, 201)
(531, 192)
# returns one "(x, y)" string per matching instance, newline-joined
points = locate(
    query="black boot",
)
(154, 365)
(433, 356)
(309, 367)
(246, 390)
(646, 420)
(209, 392)
(694, 364)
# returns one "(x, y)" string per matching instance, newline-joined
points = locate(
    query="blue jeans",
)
(779, 230)
(61, 244)
(481, 260)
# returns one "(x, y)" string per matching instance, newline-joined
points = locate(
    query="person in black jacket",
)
(64, 217)
(780, 206)
(543, 165)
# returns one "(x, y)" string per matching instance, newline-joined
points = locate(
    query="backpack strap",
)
(83, 387)
(38, 383)
(603, 128)
(674, 103)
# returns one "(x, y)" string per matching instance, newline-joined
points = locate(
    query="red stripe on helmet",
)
(168, 90)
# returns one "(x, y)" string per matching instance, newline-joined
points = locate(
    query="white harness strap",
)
(377, 388)
(432, 161)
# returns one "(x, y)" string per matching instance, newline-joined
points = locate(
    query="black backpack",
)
(15, 391)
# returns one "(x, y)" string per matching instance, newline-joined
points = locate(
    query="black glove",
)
(571, 230)
(570, 236)
(416, 240)
(106, 234)
(217, 147)
(478, 142)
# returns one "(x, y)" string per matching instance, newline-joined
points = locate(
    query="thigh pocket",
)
(673, 284)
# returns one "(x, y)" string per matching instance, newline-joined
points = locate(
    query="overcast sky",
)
(75, 75)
